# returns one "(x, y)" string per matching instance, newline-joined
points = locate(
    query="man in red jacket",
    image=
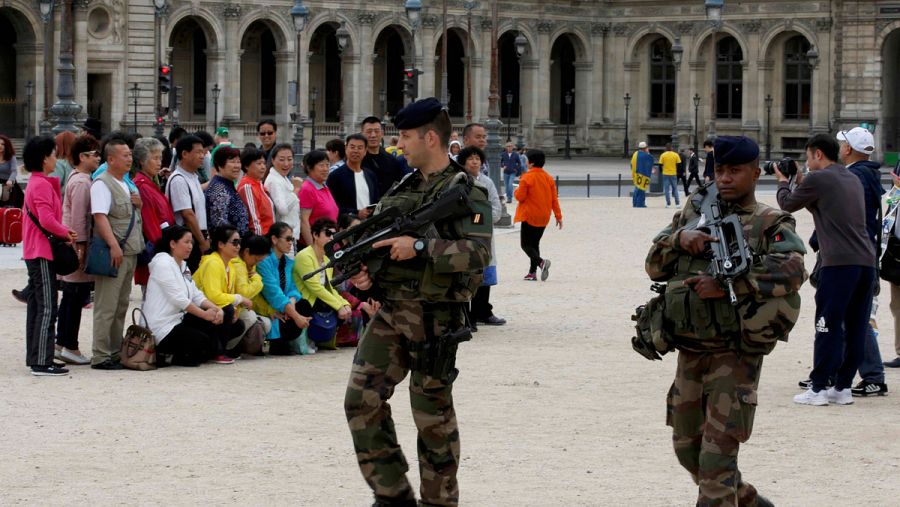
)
(537, 197)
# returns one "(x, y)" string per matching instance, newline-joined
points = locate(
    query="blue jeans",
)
(670, 183)
(871, 369)
(843, 307)
(639, 198)
(508, 183)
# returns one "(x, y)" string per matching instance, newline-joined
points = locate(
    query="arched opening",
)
(188, 42)
(258, 72)
(16, 68)
(456, 72)
(562, 80)
(729, 79)
(797, 79)
(390, 52)
(510, 77)
(890, 80)
(662, 79)
(325, 74)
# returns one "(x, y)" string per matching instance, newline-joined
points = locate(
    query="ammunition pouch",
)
(652, 339)
(435, 356)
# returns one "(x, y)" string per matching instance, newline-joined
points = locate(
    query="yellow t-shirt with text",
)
(669, 161)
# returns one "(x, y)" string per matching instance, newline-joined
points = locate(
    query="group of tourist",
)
(218, 238)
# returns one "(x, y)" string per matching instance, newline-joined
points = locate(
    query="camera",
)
(787, 166)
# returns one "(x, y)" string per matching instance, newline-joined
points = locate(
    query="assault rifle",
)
(349, 250)
(729, 256)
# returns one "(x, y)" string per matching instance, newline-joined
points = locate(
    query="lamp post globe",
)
(300, 15)
(714, 10)
(413, 11)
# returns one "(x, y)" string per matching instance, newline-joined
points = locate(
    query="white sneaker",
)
(840, 397)
(810, 397)
(73, 358)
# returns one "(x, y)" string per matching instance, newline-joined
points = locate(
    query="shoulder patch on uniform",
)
(779, 237)
(477, 219)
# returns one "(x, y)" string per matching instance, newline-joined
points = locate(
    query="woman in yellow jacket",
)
(318, 290)
(216, 280)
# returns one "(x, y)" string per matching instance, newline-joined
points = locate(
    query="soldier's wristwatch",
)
(419, 246)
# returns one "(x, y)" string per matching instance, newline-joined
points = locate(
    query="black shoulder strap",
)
(186, 182)
(38, 224)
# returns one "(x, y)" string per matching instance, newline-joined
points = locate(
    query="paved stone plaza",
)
(555, 409)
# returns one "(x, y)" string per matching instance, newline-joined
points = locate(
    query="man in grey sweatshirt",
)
(835, 198)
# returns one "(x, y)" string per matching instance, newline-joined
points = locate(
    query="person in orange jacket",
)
(537, 197)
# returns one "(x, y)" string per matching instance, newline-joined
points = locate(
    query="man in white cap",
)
(641, 169)
(856, 147)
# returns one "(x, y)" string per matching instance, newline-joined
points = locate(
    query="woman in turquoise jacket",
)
(280, 300)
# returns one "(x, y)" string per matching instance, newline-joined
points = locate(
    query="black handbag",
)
(890, 261)
(65, 259)
(99, 259)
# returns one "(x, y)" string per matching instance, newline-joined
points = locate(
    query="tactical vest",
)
(119, 216)
(711, 325)
(415, 279)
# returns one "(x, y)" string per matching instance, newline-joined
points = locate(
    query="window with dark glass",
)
(662, 80)
(729, 79)
(797, 79)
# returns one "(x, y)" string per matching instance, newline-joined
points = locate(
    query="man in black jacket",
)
(693, 164)
(353, 186)
(709, 173)
(387, 168)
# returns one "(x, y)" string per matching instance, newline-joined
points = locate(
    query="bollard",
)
(589, 186)
(557, 186)
(620, 185)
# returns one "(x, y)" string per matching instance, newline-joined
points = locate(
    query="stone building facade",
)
(592, 50)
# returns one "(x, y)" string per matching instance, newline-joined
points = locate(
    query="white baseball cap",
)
(859, 139)
(642, 145)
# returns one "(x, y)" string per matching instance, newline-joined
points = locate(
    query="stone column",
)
(481, 81)
(283, 67)
(231, 77)
(81, 53)
(352, 94)
(529, 69)
(364, 70)
(543, 128)
(583, 102)
(215, 74)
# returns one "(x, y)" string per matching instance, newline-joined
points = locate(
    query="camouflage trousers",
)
(381, 362)
(710, 408)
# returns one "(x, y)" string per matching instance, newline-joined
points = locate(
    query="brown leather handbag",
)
(138, 346)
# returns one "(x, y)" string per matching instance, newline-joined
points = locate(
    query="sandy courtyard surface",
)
(555, 409)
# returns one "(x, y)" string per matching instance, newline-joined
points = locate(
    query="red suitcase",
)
(10, 226)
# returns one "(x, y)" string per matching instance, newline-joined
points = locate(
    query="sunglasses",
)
(269, 133)
(92, 153)
(235, 242)
(329, 232)
(289, 239)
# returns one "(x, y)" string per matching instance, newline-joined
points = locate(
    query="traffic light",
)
(411, 82)
(165, 78)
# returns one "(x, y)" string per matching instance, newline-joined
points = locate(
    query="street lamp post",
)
(382, 96)
(313, 95)
(696, 121)
(469, 7)
(216, 91)
(160, 11)
(135, 92)
(509, 99)
(47, 17)
(493, 123)
(65, 107)
(627, 100)
(677, 55)
(445, 93)
(568, 99)
(343, 39)
(769, 101)
(812, 58)
(521, 43)
(29, 93)
(714, 11)
(299, 14)
(413, 13)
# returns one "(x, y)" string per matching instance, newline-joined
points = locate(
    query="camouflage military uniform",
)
(424, 299)
(712, 401)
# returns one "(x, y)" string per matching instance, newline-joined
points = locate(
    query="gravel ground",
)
(555, 409)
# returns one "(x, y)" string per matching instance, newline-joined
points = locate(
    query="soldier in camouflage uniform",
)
(712, 401)
(426, 283)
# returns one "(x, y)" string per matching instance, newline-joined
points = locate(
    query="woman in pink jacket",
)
(44, 205)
